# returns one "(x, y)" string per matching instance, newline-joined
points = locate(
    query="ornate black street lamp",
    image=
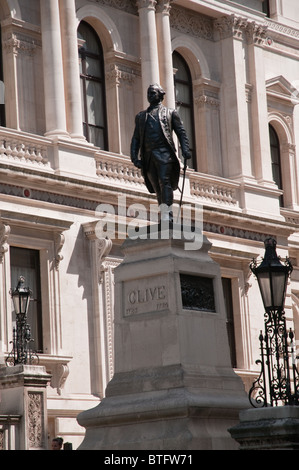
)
(21, 352)
(278, 382)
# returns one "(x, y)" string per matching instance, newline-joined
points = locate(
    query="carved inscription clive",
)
(146, 296)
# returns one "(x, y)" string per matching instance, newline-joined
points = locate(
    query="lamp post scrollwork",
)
(21, 352)
(278, 382)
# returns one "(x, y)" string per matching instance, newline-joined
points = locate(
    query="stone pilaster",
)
(53, 70)
(236, 148)
(255, 35)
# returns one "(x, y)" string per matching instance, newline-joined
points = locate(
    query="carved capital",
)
(115, 74)
(230, 26)
(205, 100)
(15, 44)
(255, 33)
(163, 6)
(149, 4)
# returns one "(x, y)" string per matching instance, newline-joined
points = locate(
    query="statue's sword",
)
(182, 190)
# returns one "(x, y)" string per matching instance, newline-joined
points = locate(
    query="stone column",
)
(149, 47)
(53, 70)
(165, 51)
(259, 112)
(71, 68)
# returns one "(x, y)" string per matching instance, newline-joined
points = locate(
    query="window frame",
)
(277, 164)
(189, 106)
(50, 296)
(85, 78)
(230, 321)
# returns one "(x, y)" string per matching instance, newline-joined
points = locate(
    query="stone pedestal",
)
(23, 395)
(173, 386)
(271, 428)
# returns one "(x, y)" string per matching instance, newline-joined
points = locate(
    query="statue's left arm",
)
(178, 127)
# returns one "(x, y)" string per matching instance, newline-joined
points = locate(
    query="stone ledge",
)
(271, 428)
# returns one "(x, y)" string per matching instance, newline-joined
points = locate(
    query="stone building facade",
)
(74, 74)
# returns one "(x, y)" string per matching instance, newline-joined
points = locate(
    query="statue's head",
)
(155, 93)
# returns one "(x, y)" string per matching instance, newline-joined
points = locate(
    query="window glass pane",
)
(97, 136)
(266, 7)
(93, 67)
(187, 121)
(80, 63)
(276, 175)
(85, 129)
(228, 300)
(182, 93)
(25, 263)
(179, 65)
(275, 157)
(94, 98)
(273, 137)
(82, 86)
(86, 33)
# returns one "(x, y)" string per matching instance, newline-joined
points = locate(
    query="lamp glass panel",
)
(272, 286)
(264, 284)
(278, 285)
(21, 303)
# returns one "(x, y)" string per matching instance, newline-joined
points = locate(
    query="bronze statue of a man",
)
(153, 149)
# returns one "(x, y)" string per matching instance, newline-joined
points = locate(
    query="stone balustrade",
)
(114, 169)
(118, 169)
(23, 148)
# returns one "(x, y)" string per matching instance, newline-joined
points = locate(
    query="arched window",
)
(275, 159)
(2, 90)
(92, 86)
(184, 99)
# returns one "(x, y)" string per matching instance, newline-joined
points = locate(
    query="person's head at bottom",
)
(57, 443)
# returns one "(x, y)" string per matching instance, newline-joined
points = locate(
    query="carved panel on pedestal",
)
(35, 420)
